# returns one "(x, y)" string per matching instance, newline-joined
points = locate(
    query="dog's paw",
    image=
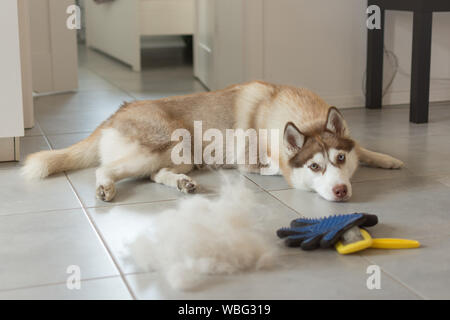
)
(187, 185)
(106, 192)
(392, 163)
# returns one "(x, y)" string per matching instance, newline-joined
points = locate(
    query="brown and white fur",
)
(316, 151)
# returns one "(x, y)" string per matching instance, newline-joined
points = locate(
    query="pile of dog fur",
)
(205, 236)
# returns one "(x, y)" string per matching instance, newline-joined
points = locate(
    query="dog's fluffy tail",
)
(81, 155)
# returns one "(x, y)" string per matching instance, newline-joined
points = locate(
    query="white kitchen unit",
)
(53, 47)
(204, 42)
(116, 27)
(219, 42)
(11, 108)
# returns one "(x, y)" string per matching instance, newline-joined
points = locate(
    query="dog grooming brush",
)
(310, 234)
(342, 231)
(357, 239)
(354, 240)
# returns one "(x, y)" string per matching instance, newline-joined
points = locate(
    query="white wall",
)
(398, 37)
(321, 45)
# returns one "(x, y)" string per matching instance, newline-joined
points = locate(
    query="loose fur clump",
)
(208, 236)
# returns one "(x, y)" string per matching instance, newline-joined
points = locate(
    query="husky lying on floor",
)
(314, 150)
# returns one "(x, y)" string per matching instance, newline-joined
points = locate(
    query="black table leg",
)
(420, 69)
(374, 73)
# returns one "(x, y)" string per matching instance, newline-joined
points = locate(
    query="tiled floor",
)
(47, 226)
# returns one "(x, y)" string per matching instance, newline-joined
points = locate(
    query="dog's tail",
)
(81, 155)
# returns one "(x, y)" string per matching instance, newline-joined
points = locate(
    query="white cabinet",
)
(9, 149)
(219, 42)
(11, 108)
(116, 27)
(204, 42)
(53, 47)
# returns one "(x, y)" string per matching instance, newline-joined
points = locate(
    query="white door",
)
(11, 108)
(53, 47)
(219, 43)
(204, 42)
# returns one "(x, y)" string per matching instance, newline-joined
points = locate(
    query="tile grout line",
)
(39, 212)
(48, 284)
(36, 125)
(97, 231)
(272, 196)
(112, 83)
(67, 133)
(390, 275)
(131, 203)
(129, 93)
(102, 240)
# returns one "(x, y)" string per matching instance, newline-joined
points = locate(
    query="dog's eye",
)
(314, 167)
(341, 158)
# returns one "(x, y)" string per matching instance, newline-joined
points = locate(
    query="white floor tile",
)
(121, 224)
(98, 289)
(21, 196)
(304, 275)
(424, 269)
(407, 208)
(38, 248)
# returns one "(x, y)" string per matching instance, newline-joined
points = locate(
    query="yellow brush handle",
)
(388, 243)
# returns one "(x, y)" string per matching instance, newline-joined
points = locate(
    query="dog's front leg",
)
(376, 159)
(176, 178)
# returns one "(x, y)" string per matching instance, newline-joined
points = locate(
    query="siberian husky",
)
(315, 151)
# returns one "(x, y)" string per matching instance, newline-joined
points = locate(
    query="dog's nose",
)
(340, 191)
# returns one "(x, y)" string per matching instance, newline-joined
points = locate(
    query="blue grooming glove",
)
(324, 232)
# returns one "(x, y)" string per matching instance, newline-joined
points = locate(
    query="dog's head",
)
(323, 160)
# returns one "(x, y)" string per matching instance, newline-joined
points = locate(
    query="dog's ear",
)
(336, 123)
(293, 139)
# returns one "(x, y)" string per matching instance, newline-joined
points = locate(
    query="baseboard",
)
(391, 98)
(344, 101)
(403, 97)
(9, 149)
